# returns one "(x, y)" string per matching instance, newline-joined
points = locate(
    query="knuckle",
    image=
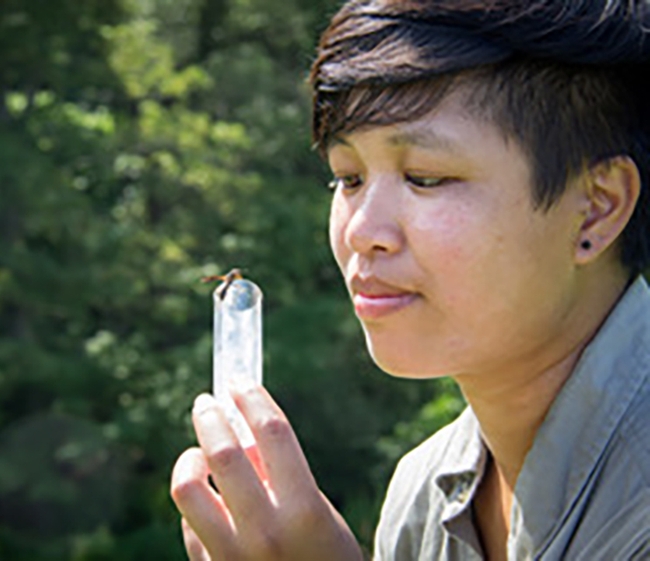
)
(224, 459)
(274, 428)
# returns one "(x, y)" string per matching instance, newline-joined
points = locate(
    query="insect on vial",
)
(237, 347)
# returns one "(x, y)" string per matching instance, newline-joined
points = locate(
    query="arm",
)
(266, 510)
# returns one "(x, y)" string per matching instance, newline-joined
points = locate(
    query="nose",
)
(374, 226)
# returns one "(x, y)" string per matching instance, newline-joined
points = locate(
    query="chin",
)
(402, 361)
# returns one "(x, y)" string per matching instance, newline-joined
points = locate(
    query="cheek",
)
(444, 238)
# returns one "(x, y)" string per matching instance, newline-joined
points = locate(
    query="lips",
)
(374, 299)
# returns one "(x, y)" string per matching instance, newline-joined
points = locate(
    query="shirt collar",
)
(458, 478)
(463, 459)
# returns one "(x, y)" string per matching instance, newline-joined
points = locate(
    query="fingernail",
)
(203, 402)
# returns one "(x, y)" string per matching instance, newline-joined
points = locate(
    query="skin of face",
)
(451, 268)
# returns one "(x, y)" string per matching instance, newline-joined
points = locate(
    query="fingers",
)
(201, 507)
(242, 491)
(243, 521)
(284, 462)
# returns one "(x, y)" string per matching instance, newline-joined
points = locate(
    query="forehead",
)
(452, 126)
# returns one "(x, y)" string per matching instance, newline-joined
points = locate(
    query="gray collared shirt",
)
(584, 490)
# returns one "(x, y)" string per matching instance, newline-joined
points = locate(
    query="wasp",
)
(226, 280)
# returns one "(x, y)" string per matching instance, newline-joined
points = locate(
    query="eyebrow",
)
(337, 140)
(426, 138)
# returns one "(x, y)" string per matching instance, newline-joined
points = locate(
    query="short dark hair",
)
(563, 80)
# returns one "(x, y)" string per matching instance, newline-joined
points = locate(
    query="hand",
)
(268, 507)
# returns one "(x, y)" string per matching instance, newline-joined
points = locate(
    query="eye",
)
(426, 181)
(351, 181)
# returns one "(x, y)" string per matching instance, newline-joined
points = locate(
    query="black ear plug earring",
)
(586, 244)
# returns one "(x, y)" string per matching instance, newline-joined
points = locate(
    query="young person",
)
(489, 217)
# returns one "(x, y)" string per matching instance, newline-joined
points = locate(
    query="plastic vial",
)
(237, 348)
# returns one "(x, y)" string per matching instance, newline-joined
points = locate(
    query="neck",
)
(511, 412)
(511, 405)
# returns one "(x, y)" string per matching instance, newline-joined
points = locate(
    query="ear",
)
(612, 189)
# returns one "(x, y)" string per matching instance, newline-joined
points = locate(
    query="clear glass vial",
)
(237, 348)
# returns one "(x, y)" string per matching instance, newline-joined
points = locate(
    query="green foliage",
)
(433, 415)
(144, 144)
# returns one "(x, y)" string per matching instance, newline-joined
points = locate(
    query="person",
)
(491, 162)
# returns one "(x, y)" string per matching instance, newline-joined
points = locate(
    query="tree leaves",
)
(144, 145)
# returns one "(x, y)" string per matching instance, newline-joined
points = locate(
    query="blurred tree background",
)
(144, 144)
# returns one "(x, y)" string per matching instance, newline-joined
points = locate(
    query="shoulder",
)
(615, 522)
